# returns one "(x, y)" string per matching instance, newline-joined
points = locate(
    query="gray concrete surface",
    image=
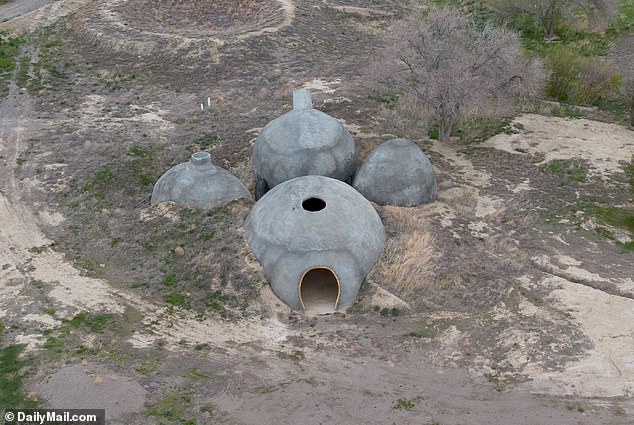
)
(302, 99)
(198, 183)
(304, 142)
(397, 173)
(345, 236)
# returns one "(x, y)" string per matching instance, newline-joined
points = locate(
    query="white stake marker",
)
(202, 107)
(209, 101)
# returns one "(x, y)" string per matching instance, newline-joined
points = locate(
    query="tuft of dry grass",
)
(243, 171)
(407, 264)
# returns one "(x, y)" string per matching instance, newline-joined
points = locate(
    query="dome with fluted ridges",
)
(397, 173)
(304, 142)
(198, 183)
(316, 238)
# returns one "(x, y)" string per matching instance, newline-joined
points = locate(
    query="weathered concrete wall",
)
(199, 183)
(397, 173)
(304, 142)
(347, 236)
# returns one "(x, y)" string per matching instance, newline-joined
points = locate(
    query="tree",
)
(547, 12)
(447, 69)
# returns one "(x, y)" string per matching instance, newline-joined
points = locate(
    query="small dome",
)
(304, 142)
(200, 183)
(316, 238)
(397, 173)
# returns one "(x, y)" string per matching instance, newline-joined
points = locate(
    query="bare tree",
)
(448, 69)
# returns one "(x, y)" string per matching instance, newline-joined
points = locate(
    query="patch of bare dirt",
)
(85, 386)
(201, 17)
(188, 29)
(607, 369)
(606, 147)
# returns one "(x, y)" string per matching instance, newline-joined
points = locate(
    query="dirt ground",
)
(525, 314)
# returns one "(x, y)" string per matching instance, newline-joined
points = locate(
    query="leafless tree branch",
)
(448, 69)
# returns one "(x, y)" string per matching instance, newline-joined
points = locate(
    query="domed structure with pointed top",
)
(199, 183)
(302, 142)
(397, 173)
(316, 238)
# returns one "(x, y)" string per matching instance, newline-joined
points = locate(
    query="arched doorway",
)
(319, 290)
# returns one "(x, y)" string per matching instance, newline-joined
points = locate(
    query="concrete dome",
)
(303, 142)
(316, 238)
(397, 173)
(200, 183)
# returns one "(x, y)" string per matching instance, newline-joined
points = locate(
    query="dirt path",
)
(25, 16)
(23, 247)
(16, 8)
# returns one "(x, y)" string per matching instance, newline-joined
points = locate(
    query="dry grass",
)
(219, 16)
(462, 200)
(407, 264)
(243, 171)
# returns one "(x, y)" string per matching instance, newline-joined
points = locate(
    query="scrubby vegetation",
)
(13, 366)
(448, 68)
(577, 50)
(573, 39)
(407, 262)
(9, 47)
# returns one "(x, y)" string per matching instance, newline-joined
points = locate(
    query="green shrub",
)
(97, 323)
(9, 47)
(404, 404)
(387, 98)
(568, 169)
(578, 79)
(477, 129)
(177, 299)
(13, 368)
(208, 139)
(624, 21)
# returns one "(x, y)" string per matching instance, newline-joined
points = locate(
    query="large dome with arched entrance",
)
(316, 238)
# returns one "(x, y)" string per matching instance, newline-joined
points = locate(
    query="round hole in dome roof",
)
(313, 204)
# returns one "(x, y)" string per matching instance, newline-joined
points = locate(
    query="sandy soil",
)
(606, 147)
(87, 385)
(25, 249)
(608, 368)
